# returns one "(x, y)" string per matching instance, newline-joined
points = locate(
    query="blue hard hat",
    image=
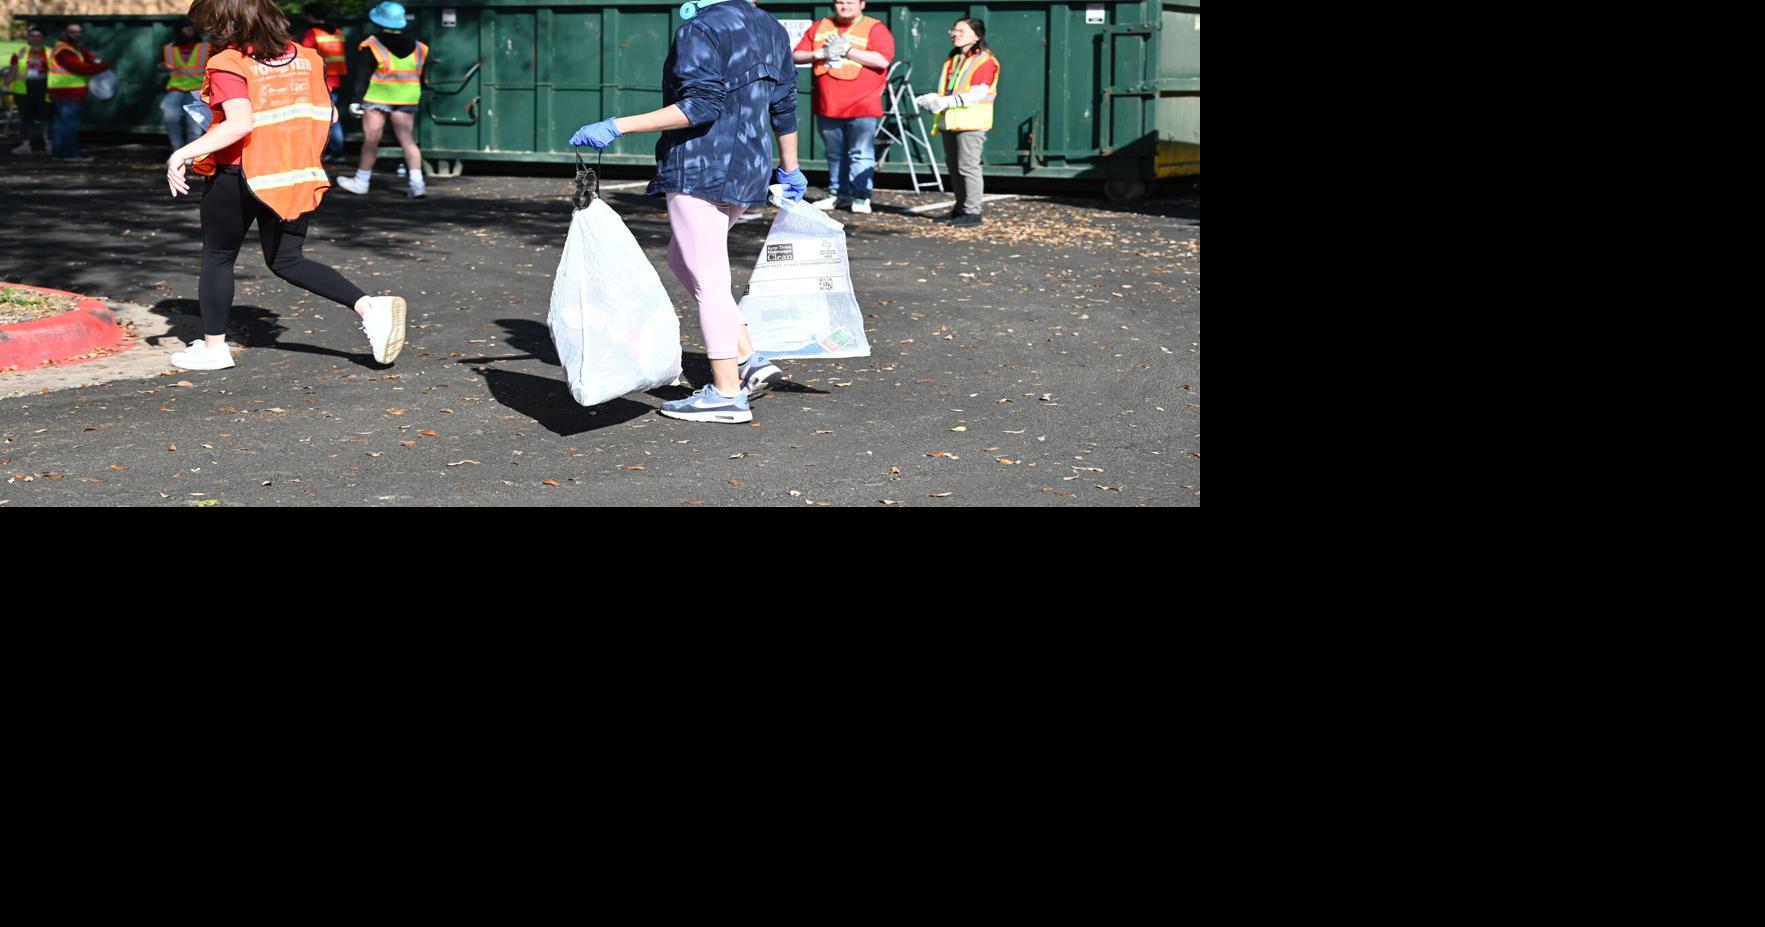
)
(388, 14)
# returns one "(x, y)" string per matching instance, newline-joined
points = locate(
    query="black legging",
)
(228, 209)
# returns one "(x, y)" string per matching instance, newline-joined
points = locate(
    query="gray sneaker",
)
(758, 374)
(708, 405)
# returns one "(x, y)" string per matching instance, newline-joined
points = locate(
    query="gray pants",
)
(962, 159)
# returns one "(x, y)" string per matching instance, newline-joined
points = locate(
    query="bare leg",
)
(373, 126)
(404, 128)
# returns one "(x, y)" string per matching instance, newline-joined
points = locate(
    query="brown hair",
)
(257, 25)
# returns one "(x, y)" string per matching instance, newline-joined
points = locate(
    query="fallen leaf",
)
(118, 467)
(960, 428)
(889, 502)
(428, 434)
(634, 468)
(204, 503)
(942, 495)
(549, 482)
(395, 413)
(462, 463)
(407, 444)
(735, 482)
(894, 469)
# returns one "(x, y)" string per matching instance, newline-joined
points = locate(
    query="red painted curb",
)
(88, 327)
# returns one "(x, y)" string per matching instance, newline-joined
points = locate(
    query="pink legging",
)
(699, 254)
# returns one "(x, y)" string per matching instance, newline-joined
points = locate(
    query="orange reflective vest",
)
(331, 49)
(187, 72)
(290, 121)
(858, 35)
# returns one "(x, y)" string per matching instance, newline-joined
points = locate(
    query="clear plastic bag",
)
(102, 86)
(800, 301)
(612, 322)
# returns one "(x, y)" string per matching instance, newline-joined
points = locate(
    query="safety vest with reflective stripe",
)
(61, 78)
(186, 72)
(290, 122)
(21, 61)
(859, 36)
(396, 81)
(331, 49)
(978, 114)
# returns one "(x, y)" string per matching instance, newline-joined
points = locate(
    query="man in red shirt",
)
(851, 53)
(327, 39)
(70, 66)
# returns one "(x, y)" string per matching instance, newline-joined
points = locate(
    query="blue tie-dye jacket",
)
(730, 71)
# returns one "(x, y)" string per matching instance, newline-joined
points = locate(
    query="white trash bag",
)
(612, 322)
(102, 86)
(800, 301)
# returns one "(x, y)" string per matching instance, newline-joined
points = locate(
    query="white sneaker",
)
(199, 356)
(348, 182)
(826, 203)
(22, 150)
(384, 326)
(419, 191)
(860, 205)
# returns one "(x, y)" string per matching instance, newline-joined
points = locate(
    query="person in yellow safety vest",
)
(964, 108)
(271, 115)
(327, 39)
(851, 53)
(388, 88)
(70, 67)
(30, 88)
(185, 61)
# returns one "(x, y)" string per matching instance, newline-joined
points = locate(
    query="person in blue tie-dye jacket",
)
(728, 78)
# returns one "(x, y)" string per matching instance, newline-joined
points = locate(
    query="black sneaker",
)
(963, 222)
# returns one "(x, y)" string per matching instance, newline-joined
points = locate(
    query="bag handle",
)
(588, 181)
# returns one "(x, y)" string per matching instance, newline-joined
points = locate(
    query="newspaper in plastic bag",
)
(800, 301)
(612, 322)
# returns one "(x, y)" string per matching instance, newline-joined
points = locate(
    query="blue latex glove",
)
(795, 185)
(596, 136)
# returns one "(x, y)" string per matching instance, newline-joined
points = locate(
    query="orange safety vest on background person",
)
(187, 73)
(290, 122)
(858, 35)
(978, 115)
(331, 49)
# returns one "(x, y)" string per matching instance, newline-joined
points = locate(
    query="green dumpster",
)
(132, 45)
(1094, 90)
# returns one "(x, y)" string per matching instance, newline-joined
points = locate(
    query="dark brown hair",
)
(257, 25)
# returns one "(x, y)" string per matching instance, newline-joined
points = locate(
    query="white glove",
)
(939, 104)
(838, 46)
(924, 101)
(355, 109)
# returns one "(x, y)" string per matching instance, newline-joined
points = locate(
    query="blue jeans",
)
(179, 127)
(851, 154)
(334, 144)
(67, 128)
